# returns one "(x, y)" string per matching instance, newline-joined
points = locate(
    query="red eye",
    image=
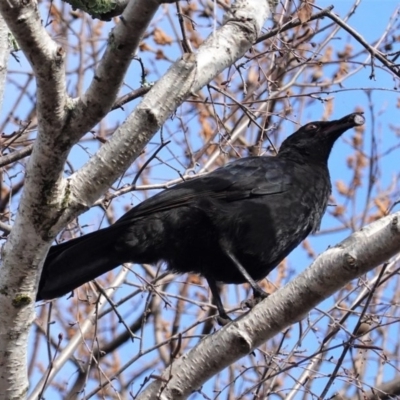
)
(311, 127)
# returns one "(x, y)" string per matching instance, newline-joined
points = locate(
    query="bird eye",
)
(312, 127)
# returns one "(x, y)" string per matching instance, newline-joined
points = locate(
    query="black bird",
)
(233, 225)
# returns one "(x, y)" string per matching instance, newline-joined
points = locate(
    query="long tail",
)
(71, 264)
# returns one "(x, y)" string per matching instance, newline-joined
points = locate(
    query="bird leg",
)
(258, 292)
(223, 317)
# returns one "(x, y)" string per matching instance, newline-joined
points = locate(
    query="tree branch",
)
(387, 390)
(373, 52)
(353, 257)
(4, 56)
(61, 122)
(122, 45)
(229, 43)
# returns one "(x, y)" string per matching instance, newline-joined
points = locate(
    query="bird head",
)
(315, 140)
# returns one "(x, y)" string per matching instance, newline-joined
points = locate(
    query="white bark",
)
(122, 45)
(359, 253)
(26, 245)
(188, 75)
(4, 56)
(48, 201)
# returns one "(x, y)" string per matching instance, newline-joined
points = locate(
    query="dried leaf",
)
(357, 140)
(160, 37)
(342, 188)
(383, 205)
(144, 47)
(328, 110)
(346, 53)
(338, 211)
(304, 13)
(160, 55)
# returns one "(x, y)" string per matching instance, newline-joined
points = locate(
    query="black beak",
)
(336, 128)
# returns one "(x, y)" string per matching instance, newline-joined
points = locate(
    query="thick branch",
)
(358, 254)
(122, 45)
(4, 56)
(385, 391)
(188, 75)
(45, 56)
(62, 122)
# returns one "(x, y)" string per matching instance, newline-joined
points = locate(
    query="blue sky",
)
(370, 21)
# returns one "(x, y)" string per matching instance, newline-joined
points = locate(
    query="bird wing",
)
(240, 179)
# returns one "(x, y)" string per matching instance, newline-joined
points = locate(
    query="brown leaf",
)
(342, 188)
(143, 46)
(328, 110)
(207, 130)
(305, 12)
(346, 53)
(160, 55)
(338, 211)
(383, 205)
(357, 140)
(160, 37)
(327, 56)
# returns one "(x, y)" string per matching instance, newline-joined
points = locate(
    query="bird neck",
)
(306, 156)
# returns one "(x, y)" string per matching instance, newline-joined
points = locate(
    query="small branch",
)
(188, 75)
(16, 155)
(293, 24)
(122, 45)
(5, 228)
(130, 138)
(187, 48)
(163, 144)
(385, 391)
(351, 340)
(353, 257)
(134, 94)
(374, 53)
(76, 340)
(121, 319)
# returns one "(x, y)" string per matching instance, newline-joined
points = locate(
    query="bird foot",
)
(258, 298)
(223, 320)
